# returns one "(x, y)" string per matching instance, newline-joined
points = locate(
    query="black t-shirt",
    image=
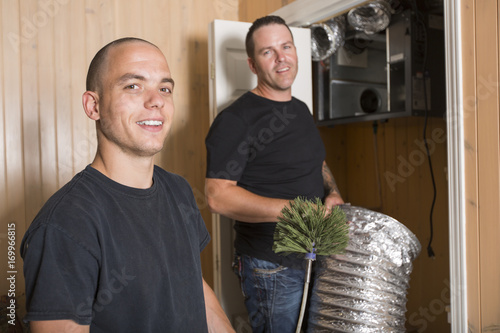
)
(272, 149)
(116, 258)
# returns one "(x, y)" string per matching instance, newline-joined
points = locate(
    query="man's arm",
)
(57, 326)
(332, 193)
(216, 318)
(226, 198)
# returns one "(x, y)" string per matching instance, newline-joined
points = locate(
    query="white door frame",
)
(456, 166)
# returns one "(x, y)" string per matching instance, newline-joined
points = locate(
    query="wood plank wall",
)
(388, 172)
(45, 137)
(481, 118)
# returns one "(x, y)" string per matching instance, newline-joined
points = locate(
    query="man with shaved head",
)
(117, 249)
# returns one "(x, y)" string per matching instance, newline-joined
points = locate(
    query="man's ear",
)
(90, 101)
(251, 64)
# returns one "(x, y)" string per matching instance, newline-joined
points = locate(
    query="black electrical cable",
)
(430, 251)
(420, 20)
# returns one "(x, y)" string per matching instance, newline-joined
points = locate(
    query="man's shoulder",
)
(168, 177)
(64, 195)
(300, 102)
(72, 202)
(240, 103)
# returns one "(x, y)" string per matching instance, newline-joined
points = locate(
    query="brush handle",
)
(307, 280)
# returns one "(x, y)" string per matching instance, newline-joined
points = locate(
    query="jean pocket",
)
(263, 267)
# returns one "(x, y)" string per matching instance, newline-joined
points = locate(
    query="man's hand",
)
(331, 200)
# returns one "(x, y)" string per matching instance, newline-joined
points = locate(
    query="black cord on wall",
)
(420, 20)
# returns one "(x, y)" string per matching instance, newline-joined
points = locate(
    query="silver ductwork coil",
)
(364, 290)
(327, 38)
(372, 17)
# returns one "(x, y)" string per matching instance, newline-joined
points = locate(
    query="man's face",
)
(275, 58)
(136, 103)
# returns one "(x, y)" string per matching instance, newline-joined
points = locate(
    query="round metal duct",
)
(326, 38)
(364, 290)
(370, 18)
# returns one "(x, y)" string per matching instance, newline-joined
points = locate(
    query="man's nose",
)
(280, 56)
(154, 100)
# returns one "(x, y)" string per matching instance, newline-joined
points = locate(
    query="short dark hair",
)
(259, 23)
(94, 77)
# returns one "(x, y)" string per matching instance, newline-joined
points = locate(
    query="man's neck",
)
(272, 94)
(133, 172)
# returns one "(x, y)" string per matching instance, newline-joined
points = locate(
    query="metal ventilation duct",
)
(364, 290)
(327, 37)
(370, 18)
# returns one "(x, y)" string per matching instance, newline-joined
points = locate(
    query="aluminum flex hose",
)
(364, 290)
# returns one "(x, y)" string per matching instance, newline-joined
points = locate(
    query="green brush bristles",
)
(304, 227)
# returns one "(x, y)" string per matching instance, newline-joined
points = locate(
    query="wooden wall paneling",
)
(226, 9)
(252, 10)
(3, 82)
(361, 165)
(413, 214)
(14, 180)
(108, 17)
(81, 147)
(63, 96)
(336, 156)
(441, 216)
(156, 25)
(378, 165)
(418, 183)
(353, 172)
(85, 140)
(409, 211)
(388, 168)
(488, 161)
(129, 18)
(29, 114)
(4, 218)
(198, 121)
(430, 275)
(407, 194)
(105, 29)
(469, 83)
(378, 138)
(47, 106)
(441, 242)
(176, 46)
(400, 193)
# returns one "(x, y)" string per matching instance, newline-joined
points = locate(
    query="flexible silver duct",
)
(370, 18)
(327, 37)
(364, 290)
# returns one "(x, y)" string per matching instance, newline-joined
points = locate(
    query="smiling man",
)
(263, 151)
(117, 249)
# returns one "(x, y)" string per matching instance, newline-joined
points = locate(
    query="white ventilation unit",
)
(303, 13)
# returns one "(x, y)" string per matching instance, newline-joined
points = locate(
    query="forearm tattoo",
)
(328, 180)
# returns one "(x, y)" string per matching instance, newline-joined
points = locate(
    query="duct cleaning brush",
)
(306, 228)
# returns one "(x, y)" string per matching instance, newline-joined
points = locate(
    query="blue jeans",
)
(273, 294)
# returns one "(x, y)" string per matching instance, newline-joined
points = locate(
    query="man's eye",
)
(132, 86)
(166, 90)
